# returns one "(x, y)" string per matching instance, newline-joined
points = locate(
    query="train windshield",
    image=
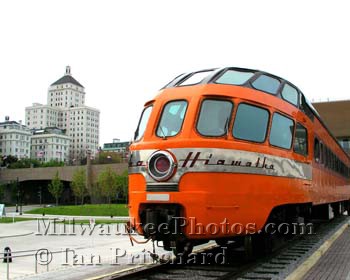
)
(172, 118)
(143, 123)
(214, 117)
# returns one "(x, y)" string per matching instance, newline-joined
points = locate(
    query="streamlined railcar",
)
(223, 153)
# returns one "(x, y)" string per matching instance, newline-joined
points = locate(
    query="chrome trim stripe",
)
(223, 160)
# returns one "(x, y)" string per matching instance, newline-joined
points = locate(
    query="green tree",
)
(53, 163)
(108, 182)
(7, 160)
(25, 163)
(2, 192)
(95, 193)
(56, 187)
(78, 184)
(107, 157)
(123, 184)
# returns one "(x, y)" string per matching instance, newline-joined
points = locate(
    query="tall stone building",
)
(66, 110)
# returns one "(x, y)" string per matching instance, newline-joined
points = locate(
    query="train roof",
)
(250, 78)
(245, 77)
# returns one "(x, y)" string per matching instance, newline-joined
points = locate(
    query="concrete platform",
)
(12, 230)
(335, 263)
(67, 251)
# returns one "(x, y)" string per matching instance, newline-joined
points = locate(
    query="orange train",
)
(220, 153)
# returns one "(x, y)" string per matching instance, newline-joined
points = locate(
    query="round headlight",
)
(161, 165)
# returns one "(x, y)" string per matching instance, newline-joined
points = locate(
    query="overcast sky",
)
(122, 52)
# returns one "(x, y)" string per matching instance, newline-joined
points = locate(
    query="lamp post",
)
(17, 202)
(40, 195)
(19, 195)
(17, 188)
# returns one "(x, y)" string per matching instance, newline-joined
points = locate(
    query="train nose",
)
(161, 165)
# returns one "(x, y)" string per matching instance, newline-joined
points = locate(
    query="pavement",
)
(42, 249)
(12, 209)
(11, 212)
(335, 263)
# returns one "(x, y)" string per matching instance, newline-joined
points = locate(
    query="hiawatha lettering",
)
(190, 162)
(193, 159)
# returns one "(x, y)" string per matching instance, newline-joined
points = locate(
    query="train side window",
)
(329, 159)
(290, 94)
(234, 77)
(300, 140)
(317, 150)
(321, 153)
(341, 168)
(214, 117)
(281, 131)
(305, 107)
(267, 84)
(172, 118)
(251, 123)
(143, 123)
(333, 161)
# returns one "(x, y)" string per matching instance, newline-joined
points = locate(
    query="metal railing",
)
(8, 256)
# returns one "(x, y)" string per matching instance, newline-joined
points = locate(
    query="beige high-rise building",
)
(66, 110)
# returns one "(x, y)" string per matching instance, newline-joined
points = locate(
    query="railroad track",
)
(202, 264)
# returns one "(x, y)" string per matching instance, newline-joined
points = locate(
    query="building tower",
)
(66, 92)
(66, 110)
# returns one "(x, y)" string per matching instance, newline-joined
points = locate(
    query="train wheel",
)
(257, 245)
(268, 244)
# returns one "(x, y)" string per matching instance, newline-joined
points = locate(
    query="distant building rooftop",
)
(336, 116)
(116, 146)
(49, 130)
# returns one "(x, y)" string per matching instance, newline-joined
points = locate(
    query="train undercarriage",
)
(166, 223)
